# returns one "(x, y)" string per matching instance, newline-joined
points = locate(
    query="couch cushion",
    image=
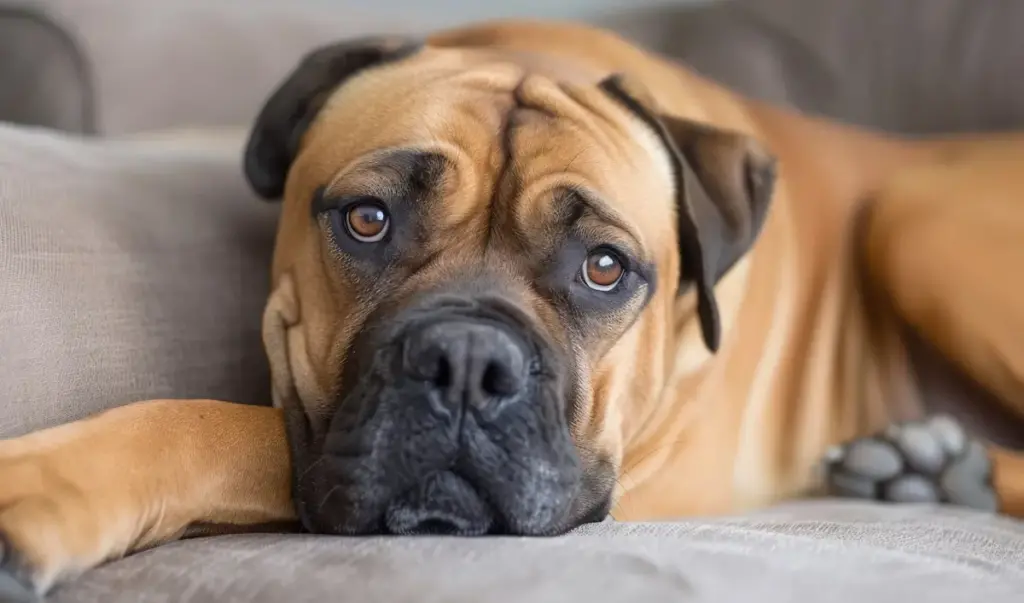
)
(806, 553)
(130, 270)
(44, 78)
(909, 66)
(159, 63)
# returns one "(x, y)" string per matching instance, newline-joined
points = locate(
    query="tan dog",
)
(528, 274)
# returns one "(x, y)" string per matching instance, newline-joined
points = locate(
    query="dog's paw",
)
(15, 586)
(48, 531)
(932, 461)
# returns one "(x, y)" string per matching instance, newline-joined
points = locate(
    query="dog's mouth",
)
(443, 503)
(411, 469)
(455, 426)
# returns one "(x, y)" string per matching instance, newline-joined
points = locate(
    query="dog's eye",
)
(602, 270)
(367, 222)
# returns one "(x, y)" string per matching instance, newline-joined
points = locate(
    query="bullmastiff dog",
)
(528, 275)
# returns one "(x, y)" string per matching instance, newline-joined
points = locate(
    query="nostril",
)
(442, 376)
(498, 380)
(466, 362)
(429, 362)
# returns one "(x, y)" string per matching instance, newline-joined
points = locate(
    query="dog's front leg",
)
(78, 494)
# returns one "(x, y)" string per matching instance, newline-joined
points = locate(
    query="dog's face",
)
(476, 273)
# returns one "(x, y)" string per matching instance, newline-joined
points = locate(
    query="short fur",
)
(777, 259)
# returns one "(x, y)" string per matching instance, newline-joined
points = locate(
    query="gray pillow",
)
(129, 270)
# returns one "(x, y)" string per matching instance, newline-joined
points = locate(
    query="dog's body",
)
(865, 236)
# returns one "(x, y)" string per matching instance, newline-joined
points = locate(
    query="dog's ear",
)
(724, 185)
(275, 137)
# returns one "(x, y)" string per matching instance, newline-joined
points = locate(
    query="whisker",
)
(311, 467)
(619, 504)
(650, 453)
(326, 497)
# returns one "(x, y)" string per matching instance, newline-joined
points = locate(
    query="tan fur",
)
(812, 352)
(77, 494)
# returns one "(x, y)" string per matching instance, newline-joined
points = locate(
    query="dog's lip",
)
(446, 501)
(470, 510)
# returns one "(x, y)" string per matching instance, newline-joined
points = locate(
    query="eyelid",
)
(583, 202)
(623, 256)
(631, 263)
(323, 203)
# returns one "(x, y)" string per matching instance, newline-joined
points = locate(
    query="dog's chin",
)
(378, 480)
(398, 470)
(443, 502)
(353, 497)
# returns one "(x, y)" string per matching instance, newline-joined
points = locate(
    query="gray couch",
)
(134, 266)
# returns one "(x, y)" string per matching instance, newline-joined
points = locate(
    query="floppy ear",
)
(724, 185)
(274, 139)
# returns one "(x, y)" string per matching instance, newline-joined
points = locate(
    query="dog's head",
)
(475, 276)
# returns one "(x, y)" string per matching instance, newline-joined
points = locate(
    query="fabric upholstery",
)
(194, 62)
(805, 553)
(130, 270)
(44, 79)
(913, 66)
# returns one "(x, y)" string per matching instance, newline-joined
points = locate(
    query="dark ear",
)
(724, 185)
(274, 139)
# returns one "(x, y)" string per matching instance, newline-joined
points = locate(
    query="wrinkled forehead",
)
(496, 121)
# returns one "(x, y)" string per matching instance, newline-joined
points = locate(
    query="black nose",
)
(468, 362)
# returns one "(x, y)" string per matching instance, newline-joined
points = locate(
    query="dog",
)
(529, 275)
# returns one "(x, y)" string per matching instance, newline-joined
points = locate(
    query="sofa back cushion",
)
(129, 270)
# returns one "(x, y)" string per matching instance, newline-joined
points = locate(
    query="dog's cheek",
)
(598, 488)
(280, 315)
(296, 388)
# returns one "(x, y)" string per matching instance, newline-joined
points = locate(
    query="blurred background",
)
(116, 67)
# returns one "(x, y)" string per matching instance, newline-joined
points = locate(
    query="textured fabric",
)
(129, 270)
(43, 76)
(908, 66)
(912, 66)
(167, 63)
(805, 553)
(197, 62)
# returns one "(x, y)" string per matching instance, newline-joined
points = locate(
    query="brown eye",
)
(367, 222)
(602, 270)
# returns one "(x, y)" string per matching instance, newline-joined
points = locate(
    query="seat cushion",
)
(130, 270)
(809, 552)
